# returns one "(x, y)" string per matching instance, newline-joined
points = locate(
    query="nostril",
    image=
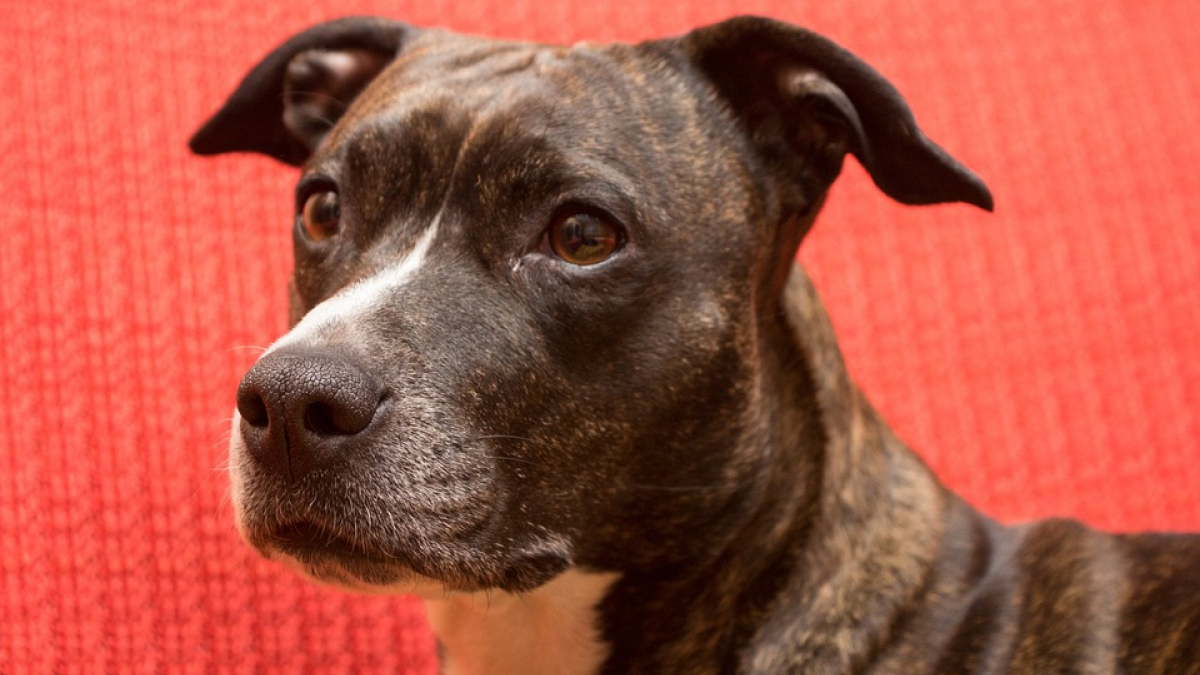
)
(318, 418)
(341, 417)
(252, 407)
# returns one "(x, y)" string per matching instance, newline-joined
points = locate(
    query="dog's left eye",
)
(321, 215)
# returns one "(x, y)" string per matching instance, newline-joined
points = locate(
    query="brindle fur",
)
(689, 424)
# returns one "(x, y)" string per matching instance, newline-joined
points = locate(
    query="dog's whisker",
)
(519, 460)
(506, 436)
(256, 349)
(673, 488)
(507, 458)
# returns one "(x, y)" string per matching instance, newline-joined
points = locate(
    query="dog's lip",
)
(311, 546)
(303, 538)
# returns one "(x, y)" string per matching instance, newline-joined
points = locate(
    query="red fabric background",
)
(1044, 359)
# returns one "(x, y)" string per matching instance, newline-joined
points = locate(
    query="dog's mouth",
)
(330, 557)
(306, 540)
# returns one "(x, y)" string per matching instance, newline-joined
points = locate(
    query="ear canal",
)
(286, 104)
(822, 122)
(884, 136)
(320, 84)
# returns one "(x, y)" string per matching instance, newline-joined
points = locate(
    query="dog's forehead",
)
(481, 69)
(585, 88)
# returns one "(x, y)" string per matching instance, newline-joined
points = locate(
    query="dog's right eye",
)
(321, 215)
(583, 238)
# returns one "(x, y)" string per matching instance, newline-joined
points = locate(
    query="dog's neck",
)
(871, 537)
(552, 630)
(852, 520)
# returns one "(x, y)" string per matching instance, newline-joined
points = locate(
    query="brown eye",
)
(321, 215)
(582, 238)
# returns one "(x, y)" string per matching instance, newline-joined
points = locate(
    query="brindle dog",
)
(553, 368)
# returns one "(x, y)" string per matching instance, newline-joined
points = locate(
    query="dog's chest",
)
(553, 630)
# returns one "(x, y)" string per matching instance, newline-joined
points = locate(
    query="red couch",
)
(1044, 359)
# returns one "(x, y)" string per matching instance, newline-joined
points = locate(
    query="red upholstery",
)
(1045, 359)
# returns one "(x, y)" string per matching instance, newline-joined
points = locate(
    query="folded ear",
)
(289, 101)
(806, 102)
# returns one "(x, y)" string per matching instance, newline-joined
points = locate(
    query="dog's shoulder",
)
(1160, 612)
(1078, 600)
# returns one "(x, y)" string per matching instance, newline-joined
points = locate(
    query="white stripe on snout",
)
(360, 298)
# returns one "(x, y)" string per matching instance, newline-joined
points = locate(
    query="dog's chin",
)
(352, 577)
(332, 559)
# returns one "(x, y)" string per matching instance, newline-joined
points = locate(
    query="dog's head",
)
(529, 289)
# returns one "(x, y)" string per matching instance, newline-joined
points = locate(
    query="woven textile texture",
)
(1044, 359)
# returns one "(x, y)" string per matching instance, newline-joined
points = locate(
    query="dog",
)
(554, 369)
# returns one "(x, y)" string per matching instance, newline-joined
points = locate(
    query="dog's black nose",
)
(302, 409)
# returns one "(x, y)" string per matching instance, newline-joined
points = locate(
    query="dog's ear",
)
(805, 102)
(288, 102)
